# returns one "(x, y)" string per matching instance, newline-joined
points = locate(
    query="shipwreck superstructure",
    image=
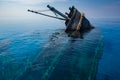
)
(75, 21)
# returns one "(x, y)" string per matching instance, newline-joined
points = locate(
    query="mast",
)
(56, 11)
(64, 17)
(45, 14)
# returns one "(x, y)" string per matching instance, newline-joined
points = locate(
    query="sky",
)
(17, 9)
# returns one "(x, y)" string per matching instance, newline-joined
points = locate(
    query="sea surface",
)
(109, 63)
(21, 43)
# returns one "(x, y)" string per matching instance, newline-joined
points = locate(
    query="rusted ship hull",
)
(77, 21)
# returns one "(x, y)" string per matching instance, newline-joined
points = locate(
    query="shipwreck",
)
(75, 21)
(57, 57)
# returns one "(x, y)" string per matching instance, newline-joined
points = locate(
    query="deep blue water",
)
(21, 41)
(110, 61)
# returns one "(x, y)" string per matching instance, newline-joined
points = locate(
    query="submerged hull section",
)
(66, 58)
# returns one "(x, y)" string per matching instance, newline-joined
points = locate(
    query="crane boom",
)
(56, 11)
(45, 14)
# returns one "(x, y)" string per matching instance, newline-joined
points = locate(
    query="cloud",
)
(31, 2)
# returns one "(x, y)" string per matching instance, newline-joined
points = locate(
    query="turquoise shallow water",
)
(20, 44)
(26, 52)
(67, 58)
